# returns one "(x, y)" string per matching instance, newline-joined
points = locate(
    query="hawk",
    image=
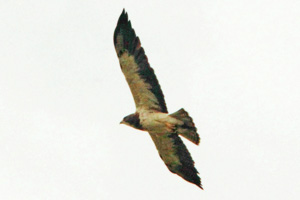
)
(151, 112)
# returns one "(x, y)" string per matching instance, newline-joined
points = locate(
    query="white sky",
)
(233, 65)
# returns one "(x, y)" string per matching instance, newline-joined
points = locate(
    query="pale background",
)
(233, 65)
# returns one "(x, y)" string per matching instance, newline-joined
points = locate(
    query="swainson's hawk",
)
(151, 112)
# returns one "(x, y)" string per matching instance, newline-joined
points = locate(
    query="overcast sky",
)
(233, 65)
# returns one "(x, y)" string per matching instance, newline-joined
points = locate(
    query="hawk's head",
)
(132, 120)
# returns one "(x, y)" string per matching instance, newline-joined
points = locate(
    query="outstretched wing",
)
(140, 76)
(176, 156)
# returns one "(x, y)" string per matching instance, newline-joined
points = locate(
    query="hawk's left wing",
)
(176, 156)
(134, 64)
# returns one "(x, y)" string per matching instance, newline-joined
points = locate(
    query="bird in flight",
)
(151, 112)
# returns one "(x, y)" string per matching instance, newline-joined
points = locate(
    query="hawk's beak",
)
(122, 122)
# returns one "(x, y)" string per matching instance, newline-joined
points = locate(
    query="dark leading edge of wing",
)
(132, 45)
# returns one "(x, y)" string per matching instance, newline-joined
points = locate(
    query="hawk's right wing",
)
(176, 156)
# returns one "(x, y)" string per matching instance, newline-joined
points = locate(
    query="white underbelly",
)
(157, 122)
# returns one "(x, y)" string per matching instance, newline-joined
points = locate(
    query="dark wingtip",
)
(198, 140)
(123, 24)
(197, 182)
(200, 186)
(123, 17)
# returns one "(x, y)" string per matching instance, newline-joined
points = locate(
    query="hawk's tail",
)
(187, 129)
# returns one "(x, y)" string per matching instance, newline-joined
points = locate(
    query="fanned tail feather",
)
(187, 129)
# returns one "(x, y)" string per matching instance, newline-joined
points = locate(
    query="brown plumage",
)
(151, 112)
